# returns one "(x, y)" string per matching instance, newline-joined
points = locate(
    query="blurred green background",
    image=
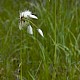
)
(31, 57)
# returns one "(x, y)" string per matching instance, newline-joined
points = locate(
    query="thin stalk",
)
(76, 15)
(33, 24)
(21, 59)
(55, 55)
(55, 35)
(76, 22)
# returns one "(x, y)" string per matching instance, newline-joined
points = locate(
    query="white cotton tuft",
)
(33, 16)
(20, 26)
(29, 29)
(27, 14)
(40, 32)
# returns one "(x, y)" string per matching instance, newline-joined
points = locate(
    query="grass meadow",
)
(32, 57)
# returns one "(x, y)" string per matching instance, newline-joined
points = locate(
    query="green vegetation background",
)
(54, 57)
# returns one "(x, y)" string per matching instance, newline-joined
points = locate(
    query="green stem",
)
(29, 21)
(55, 35)
(21, 58)
(54, 73)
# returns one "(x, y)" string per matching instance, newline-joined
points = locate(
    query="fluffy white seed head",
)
(21, 25)
(33, 16)
(40, 32)
(29, 29)
(27, 14)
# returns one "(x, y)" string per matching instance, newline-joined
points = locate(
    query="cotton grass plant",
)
(25, 22)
